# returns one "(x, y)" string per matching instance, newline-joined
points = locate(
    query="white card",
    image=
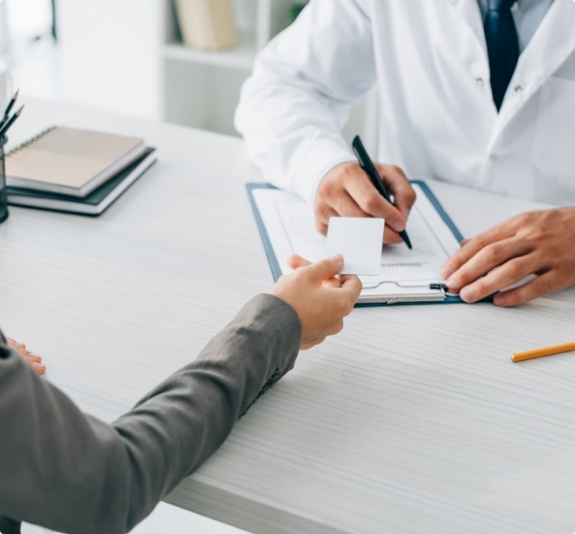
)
(358, 240)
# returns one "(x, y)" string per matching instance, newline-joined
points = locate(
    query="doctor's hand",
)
(537, 243)
(347, 191)
(319, 296)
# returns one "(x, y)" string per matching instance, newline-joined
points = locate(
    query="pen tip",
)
(16, 94)
(19, 109)
(406, 239)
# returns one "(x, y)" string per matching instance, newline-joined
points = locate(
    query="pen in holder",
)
(3, 191)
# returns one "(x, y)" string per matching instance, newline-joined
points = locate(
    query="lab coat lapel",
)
(549, 47)
(469, 11)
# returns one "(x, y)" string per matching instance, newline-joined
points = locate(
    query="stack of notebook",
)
(75, 170)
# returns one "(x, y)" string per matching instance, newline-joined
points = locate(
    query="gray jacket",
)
(71, 472)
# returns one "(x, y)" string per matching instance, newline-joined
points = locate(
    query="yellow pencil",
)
(538, 353)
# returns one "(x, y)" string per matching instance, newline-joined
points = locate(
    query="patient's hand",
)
(320, 296)
(31, 359)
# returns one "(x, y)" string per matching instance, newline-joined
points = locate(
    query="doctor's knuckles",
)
(346, 191)
(537, 243)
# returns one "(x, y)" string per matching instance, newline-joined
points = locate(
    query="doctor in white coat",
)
(438, 119)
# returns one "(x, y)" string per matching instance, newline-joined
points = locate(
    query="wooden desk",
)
(412, 420)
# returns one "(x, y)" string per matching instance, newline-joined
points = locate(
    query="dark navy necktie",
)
(502, 46)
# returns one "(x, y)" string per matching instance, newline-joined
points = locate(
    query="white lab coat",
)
(437, 117)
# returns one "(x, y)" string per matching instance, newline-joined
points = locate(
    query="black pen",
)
(4, 128)
(9, 108)
(369, 168)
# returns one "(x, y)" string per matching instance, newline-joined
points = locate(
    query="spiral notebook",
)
(70, 161)
(93, 203)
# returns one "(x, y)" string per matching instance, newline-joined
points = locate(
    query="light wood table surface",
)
(412, 420)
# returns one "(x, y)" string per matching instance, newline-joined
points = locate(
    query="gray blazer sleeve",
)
(74, 473)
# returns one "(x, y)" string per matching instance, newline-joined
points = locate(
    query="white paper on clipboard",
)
(286, 224)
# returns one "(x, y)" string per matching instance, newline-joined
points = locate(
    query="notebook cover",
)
(92, 204)
(70, 161)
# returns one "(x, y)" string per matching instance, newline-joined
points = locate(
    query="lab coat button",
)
(479, 82)
(518, 89)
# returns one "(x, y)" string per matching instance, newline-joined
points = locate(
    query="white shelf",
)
(201, 88)
(239, 57)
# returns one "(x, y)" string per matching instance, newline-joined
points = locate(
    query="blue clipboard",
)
(431, 295)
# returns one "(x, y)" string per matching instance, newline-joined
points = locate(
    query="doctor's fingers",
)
(323, 213)
(537, 287)
(471, 247)
(372, 204)
(550, 232)
(345, 206)
(332, 191)
(516, 272)
(348, 190)
(339, 203)
(485, 260)
(390, 237)
(399, 187)
(522, 278)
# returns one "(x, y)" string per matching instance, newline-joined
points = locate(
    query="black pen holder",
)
(3, 190)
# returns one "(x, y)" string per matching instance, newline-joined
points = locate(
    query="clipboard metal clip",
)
(438, 286)
(404, 292)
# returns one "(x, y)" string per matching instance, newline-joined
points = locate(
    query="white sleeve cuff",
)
(313, 161)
